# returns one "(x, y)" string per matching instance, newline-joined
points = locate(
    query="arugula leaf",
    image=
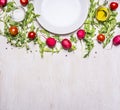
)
(90, 28)
(9, 7)
(57, 37)
(45, 32)
(108, 28)
(73, 39)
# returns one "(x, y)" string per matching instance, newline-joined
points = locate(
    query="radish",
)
(66, 44)
(116, 40)
(81, 34)
(3, 3)
(51, 42)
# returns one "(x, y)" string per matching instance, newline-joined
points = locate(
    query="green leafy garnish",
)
(91, 27)
(91, 24)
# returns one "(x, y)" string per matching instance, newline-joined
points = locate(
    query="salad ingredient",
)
(13, 30)
(116, 40)
(66, 44)
(100, 38)
(3, 3)
(81, 34)
(24, 2)
(90, 28)
(108, 28)
(88, 33)
(32, 35)
(25, 26)
(113, 6)
(51, 42)
(102, 13)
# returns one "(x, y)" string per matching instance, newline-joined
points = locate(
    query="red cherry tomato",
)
(113, 5)
(24, 2)
(100, 38)
(13, 30)
(51, 42)
(66, 44)
(32, 35)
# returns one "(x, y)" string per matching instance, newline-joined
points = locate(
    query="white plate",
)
(61, 16)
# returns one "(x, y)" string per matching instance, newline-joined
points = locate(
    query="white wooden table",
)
(59, 82)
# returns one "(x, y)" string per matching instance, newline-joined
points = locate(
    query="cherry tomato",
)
(24, 2)
(113, 5)
(100, 38)
(51, 42)
(13, 30)
(66, 44)
(32, 35)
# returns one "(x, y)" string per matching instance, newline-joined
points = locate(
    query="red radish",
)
(51, 42)
(3, 3)
(66, 44)
(81, 34)
(116, 40)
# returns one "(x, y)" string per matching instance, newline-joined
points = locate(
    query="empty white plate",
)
(61, 16)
